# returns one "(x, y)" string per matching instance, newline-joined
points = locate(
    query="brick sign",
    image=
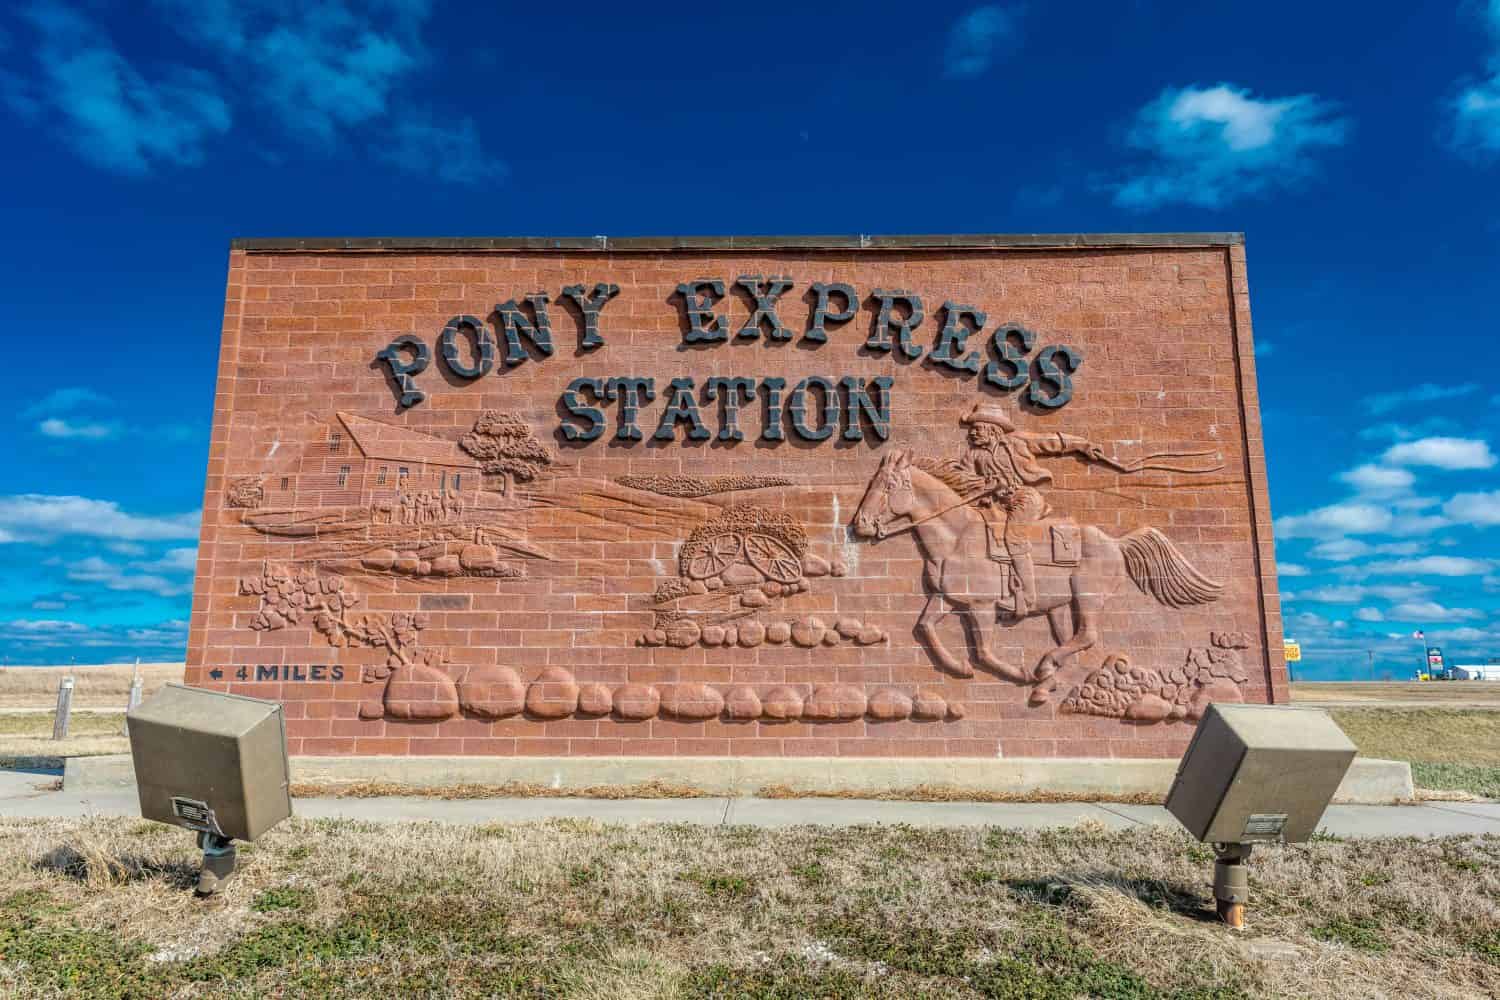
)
(934, 496)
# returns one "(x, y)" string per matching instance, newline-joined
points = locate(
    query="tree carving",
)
(290, 597)
(505, 447)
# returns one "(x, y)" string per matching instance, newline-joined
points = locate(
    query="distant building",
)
(1475, 672)
(359, 462)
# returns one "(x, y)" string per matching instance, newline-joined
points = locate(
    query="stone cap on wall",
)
(941, 241)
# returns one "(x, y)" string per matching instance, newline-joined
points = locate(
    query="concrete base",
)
(1368, 781)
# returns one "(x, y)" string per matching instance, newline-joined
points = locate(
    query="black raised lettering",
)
(765, 292)
(631, 392)
(402, 370)
(703, 323)
(857, 400)
(591, 414)
(591, 305)
(513, 320)
(484, 347)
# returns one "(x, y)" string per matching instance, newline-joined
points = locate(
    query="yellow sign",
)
(1293, 651)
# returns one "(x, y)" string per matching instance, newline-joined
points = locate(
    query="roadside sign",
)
(1293, 651)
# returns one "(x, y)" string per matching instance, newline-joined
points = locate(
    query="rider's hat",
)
(988, 413)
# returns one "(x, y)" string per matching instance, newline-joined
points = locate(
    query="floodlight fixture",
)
(214, 763)
(1256, 774)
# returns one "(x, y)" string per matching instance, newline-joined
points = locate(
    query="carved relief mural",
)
(393, 526)
(993, 550)
(245, 491)
(958, 536)
(732, 574)
(1118, 690)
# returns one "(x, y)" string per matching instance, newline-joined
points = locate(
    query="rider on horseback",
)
(1005, 461)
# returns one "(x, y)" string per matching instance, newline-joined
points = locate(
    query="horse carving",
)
(960, 575)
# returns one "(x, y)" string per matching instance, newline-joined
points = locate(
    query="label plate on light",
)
(1265, 825)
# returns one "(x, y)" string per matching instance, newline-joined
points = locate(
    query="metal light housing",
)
(211, 762)
(1256, 774)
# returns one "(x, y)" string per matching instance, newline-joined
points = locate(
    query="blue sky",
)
(1358, 146)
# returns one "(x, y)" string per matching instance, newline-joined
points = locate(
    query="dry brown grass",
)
(96, 908)
(28, 735)
(950, 793)
(1458, 694)
(508, 790)
(1428, 735)
(94, 687)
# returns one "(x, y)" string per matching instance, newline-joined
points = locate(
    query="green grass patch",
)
(1476, 779)
(1358, 932)
(720, 884)
(285, 897)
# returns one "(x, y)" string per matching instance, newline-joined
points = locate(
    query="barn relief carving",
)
(387, 501)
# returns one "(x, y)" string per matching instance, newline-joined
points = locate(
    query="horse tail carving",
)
(1161, 571)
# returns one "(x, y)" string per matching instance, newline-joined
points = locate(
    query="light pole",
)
(1371, 654)
(1421, 638)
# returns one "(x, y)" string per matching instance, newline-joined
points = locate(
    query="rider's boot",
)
(1025, 580)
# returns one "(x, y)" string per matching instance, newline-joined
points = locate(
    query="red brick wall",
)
(565, 574)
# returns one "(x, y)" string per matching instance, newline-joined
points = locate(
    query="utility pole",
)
(1371, 654)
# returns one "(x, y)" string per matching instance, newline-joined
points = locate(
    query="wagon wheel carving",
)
(714, 556)
(773, 557)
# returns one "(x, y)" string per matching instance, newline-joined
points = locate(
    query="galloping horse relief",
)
(993, 550)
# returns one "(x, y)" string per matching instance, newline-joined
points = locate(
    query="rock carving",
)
(1120, 690)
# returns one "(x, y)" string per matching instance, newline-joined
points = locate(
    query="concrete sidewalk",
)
(20, 797)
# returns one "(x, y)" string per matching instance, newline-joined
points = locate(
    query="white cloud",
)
(1406, 525)
(1291, 569)
(1475, 110)
(1464, 633)
(180, 560)
(56, 427)
(30, 627)
(1210, 146)
(419, 145)
(1369, 615)
(1427, 392)
(330, 74)
(322, 68)
(65, 400)
(1335, 520)
(1481, 509)
(1355, 593)
(1341, 549)
(1442, 453)
(1408, 430)
(1379, 478)
(110, 113)
(96, 570)
(1430, 611)
(38, 517)
(51, 640)
(976, 39)
(1429, 566)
